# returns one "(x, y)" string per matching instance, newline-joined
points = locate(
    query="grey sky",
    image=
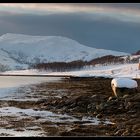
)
(92, 29)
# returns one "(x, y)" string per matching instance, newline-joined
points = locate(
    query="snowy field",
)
(111, 71)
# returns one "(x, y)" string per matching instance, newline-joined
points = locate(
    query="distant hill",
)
(18, 50)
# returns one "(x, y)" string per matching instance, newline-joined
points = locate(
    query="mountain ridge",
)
(28, 49)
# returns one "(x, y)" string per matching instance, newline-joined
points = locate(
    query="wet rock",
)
(135, 115)
(19, 129)
(126, 133)
(111, 98)
(121, 126)
(131, 111)
(128, 105)
(51, 131)
(95, 113)
(69, 102)
(5, 104)
(79, 109)
(94, 96)
(55, 102)
(64, 97)
(5, 134)
(72, 105)
(100, 106)
(99, 116)
(119, 132)
(133, 98)
(135, 127)
(91, 107)
(42, 101)
(37, 117)
(125, 96)
(133, 121)
(78, 116)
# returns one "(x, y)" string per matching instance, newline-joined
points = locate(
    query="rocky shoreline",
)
(90, 97)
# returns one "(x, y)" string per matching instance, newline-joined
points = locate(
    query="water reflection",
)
(16, 81)
(10, 86)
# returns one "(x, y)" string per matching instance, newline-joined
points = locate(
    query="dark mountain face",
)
(137, 53)
(107, 60)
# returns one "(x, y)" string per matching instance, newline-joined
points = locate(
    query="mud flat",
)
(70, 107)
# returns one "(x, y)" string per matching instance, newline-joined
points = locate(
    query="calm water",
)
(16, 81)
(10, 84)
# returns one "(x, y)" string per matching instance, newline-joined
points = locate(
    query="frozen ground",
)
(111, 71)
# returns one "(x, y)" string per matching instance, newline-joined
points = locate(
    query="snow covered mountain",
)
(19, 49)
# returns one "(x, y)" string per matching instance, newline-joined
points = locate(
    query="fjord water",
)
(16, 81)
(10, 84)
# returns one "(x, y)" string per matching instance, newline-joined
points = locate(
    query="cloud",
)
(124, 12)
(94, 25)
(103, 33)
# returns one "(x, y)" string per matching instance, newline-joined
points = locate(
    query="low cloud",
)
(124, 12)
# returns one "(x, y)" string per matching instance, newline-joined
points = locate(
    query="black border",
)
(72, 1)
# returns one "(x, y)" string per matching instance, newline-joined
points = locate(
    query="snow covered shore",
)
(111, 71)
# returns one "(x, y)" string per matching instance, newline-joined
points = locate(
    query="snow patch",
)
(25, 133)
(124, 83)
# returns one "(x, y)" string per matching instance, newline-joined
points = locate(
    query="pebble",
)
(110, 98)
(126, 133)
(125, 96)
(99, 116)
(100, 106)
(118, 132)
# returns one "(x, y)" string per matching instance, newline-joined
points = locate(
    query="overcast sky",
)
(114, 26)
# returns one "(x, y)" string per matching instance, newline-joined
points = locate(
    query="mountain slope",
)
(33, 49)
(9, 62)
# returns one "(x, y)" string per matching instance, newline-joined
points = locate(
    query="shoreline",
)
(76, 98)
